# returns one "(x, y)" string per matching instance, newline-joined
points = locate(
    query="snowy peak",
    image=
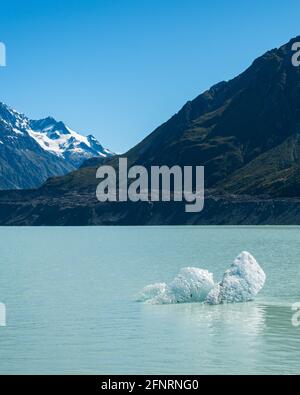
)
(57, 138)
(31, 151)
(53, 136)
(12, 120)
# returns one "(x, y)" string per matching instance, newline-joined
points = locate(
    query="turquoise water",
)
(69, 294)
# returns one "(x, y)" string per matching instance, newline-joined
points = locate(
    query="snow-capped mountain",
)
(60, 140)
(33, 150)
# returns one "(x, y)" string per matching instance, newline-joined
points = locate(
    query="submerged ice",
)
(240, 283)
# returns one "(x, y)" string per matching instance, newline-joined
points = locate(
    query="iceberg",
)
(190, 285)
(240, 283)
(151, 292)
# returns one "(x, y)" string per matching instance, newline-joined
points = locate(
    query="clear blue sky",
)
(119, 68)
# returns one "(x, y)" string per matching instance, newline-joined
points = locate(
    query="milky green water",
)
(69, 294)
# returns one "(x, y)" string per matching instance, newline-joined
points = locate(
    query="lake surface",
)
(69, 294)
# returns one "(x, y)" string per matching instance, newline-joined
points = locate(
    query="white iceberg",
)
(240, 283)
(190, 285)
(151, 291)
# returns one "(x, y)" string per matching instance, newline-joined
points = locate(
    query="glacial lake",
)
(69, 294)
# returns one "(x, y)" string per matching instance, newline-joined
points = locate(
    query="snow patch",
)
(54, 146)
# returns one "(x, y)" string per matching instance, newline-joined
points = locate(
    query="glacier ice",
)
(190, 285)
(240, 283)
(151, 291)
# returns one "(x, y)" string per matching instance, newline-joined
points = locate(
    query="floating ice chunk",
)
(213, 296)
(190, 285)
(151, 291)
(240, 283)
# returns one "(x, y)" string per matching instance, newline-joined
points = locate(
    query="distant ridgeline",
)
(31, 151)
(246, 134)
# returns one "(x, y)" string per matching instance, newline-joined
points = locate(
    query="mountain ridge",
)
(31, 151)
(244, 131)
